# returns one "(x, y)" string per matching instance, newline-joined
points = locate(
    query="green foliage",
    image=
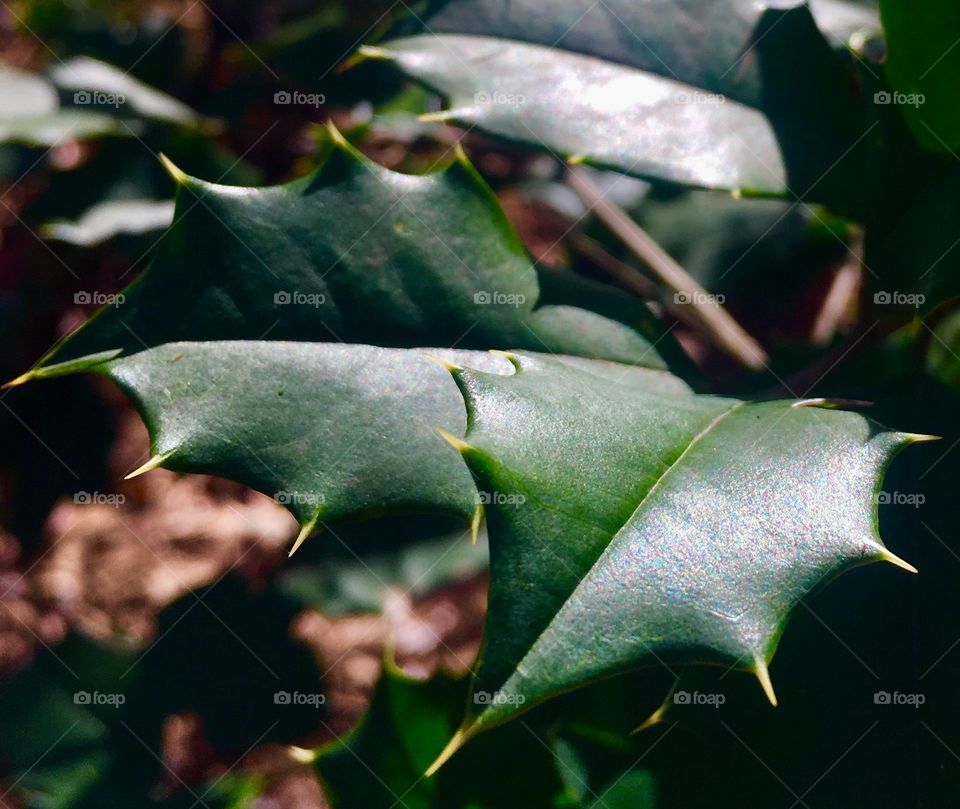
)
(638, 88)
(310, 338)
(692, 525)
(418, 260)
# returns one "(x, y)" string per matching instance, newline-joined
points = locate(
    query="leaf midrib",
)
(643, 501)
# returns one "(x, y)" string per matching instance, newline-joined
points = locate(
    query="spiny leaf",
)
(632, 529)
(632, 86)
(331, 431)
(353, 252)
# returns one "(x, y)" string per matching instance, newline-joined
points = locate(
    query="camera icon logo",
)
(281, 698)
(882, 97)
(281, 298)
(482, 297)
(282, 97)
(82, 97)
(82, 298)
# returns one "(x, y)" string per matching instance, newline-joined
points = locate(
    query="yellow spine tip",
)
(763, 675)
(452, 367)
(155, 462)
(439, 117)
(919, 438)
(475, 522)
(653, 720)
(513, 359)
(457, 443)
(20, 380)
(301, 755)
(176, 174)
(305, 531)
(336, 135)
(576, 159)
(885, 555)
(370, 52)
(458, 740)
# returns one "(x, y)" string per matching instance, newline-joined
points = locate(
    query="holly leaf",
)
(628, 529)
(351, 253)
(633, 87)
(331, 431)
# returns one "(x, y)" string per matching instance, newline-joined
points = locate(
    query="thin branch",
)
(703, 312)
(841, 297)
(628, 277)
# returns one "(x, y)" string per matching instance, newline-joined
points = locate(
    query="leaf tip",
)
(177, 174)
(336, 135)
(301, 755)
(457, 443)
(656, 718)
(458, 740)
(476, 520)
(576, 159)
(920, 438)
(460, 155)
(154, 463)
(452, 367)
(834, 404)
(886, 555)
(438, 117)
(20, 380)
(513, 359)
(305, 531)
(370, 52)
(762, 674)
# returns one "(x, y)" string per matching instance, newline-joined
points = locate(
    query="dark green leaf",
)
(353, 253)
(630, 529)
(923, 67)
(330, 431)
(641, 87)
